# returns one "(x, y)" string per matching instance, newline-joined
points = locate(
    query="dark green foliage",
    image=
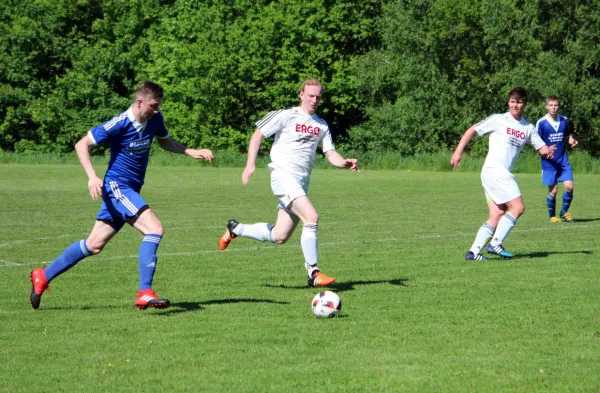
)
(443, 65)
(405, 75)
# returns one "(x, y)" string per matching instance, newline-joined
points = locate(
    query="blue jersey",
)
(130, 143)
(555, 133)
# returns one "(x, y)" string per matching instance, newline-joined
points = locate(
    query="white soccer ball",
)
(326, 304)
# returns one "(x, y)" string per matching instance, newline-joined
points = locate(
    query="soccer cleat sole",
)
(35, 300)
(162, 304)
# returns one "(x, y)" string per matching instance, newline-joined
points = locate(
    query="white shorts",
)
(288, 186)
(500, 186)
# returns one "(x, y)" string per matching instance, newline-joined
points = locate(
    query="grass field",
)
(416, 316)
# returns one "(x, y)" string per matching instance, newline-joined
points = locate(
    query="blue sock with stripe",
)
(551, 203)
(567, 198)
(69, 258)
(148, 259)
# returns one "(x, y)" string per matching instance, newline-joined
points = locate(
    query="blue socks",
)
(551, 203)
(69, 258)
(148, 259)
(567, 198)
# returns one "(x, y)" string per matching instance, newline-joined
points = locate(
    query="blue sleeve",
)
(161, 130)
(109, 129)
(540, 129)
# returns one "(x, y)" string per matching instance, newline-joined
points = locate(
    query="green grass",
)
(416, 316)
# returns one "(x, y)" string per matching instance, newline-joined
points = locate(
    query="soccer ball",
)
(326, 304)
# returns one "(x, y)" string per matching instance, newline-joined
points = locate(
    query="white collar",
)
(551, 120)
(139, 127)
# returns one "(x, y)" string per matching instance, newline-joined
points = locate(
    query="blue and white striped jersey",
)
(554, 133)
(130, 143)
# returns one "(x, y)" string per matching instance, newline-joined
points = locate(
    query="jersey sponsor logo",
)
(140, 146)
(308, 129)
(516, 133)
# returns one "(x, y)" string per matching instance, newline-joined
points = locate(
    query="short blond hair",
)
(310, 82)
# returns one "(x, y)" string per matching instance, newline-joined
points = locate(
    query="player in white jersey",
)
(298, 132)
(509, 132)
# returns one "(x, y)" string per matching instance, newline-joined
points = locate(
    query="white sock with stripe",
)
(504, 226)
(260, 231)
(310, 247)
(483, 235)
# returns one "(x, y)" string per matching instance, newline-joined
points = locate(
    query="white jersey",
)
(297, 135)
(507, 139)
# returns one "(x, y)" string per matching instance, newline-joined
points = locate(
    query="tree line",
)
(402, 75)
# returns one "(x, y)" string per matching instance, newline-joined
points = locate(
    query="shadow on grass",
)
(346, 286)
(180, 307)
(578, 220)
(545, 254)
(175, 308)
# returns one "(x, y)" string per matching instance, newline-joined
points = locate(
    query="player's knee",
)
(569, 189)
(518, 211)
(312, 218)
(94, 247)
(158, 229)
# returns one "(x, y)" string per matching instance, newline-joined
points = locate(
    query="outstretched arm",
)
(83, 153)
(253, 147)
(337, 160)
(464, 141)
(175, 147)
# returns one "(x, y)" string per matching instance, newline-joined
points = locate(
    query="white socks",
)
(504, 226)
(310, 247)
(260, 231)
(483, 235)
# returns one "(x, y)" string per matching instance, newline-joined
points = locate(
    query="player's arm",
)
(572, 141)
(337, 160)
(253, 147)
(83, 153)
(464, 141)
(175, 147)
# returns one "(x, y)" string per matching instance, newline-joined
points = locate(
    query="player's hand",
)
(455, 160)
(248, 171)
(352, 164)
(551, 151)
(95, 186)
(573, 142)
(202, 154)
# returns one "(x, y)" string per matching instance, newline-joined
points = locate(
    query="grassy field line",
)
(6, 263)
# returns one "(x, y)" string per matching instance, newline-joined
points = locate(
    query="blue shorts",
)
(552, 175)
(120, 203)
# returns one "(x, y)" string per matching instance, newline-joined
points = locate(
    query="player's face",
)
(310, 98)
(148, 107)
(516, 107)
(552, 107)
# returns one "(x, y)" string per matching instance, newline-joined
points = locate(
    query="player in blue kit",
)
(556, 129)
(130, 136)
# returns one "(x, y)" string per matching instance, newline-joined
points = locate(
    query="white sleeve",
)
(535, 140)
(487, 125)
(327, 142)
(273, 122)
